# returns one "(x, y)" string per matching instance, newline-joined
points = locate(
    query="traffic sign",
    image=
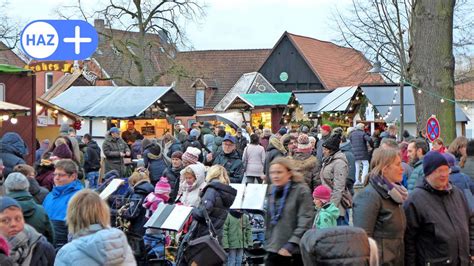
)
(433, 129)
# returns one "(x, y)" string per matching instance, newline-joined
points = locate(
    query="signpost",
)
(433, 130)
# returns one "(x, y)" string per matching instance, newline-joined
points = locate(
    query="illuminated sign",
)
(50, 66)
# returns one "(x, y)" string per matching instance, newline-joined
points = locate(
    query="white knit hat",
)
(16, 182)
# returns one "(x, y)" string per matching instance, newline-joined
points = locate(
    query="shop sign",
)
(50, 66)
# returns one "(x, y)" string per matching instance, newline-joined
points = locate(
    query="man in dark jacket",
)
(346, 148)
(359, 140)
(91, 160)
(241, 141)
(416, 151)
(230, 159)
(440, 227)
(115, 149)
(12, 151)
(131, 134)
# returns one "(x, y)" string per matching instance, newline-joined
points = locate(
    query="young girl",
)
(327, 213)
(192, 182)
(161, 194)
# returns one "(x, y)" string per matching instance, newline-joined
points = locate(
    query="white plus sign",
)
(77, 40)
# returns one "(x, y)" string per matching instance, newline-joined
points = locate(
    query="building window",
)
(199, 98)
(48, 81)
(2, 92)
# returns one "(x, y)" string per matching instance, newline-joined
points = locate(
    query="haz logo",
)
(59, 39)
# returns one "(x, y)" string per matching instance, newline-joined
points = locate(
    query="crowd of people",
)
(334, 196)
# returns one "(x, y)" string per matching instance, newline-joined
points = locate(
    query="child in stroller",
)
(256, 254)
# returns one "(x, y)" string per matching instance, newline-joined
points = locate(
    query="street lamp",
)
(377, 69)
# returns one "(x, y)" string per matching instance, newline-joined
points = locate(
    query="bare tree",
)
(158, 29)
(9, 31)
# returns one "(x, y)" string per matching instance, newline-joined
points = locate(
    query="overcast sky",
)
(230, 24)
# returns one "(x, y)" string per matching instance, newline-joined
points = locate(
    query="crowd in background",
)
(370, 198)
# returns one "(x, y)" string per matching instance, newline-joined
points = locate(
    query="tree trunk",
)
(431, 66)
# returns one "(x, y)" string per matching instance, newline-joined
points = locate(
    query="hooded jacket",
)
(57, 200)
(384, 220)
(189, 195)
(232, 162)
(112, 147)
(12, 151)
(275, 149)
(92, 157)
(136, 213)
(359, 140)
(216, 199)
(460, 180)
(154, 162)
(334, 174)
(326, 217)
(34, 214)
(97, 246)
(439, 227)
(237, 231)
(308, 166)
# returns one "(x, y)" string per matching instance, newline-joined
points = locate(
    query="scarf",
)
(275, 216)
(397, 192)
(22, 245)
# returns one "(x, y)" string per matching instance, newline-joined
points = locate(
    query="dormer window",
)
(200, 96)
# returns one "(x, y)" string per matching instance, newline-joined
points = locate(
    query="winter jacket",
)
(175, 146)
(296, 218)
(216, 199)
(57, 200)
(217, 144)
(45, 177)
(275, 149)
(468, 168)
(307, 165)
(417, 175)
(346, 148)
(92, 157)
(39, 193)
(407, 171)
(383, 219)
(128, 136)
(264, 141)
(34, 214)
(12, 151)
(209, 141)
(326, 217)
(254, 160)
(189, 195)
(359, 140)
(173, 176)
(112, 147)
(341, 245)
(4, 251)
(41, 252)
(96, 246)
(233, 164)
(136, 212)
(237, 231)
(155, 163)
(241, 144)
(334, 174)
(439, 227)
(319, 147)
(460, 180)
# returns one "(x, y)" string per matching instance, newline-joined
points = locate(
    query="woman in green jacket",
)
(237, 236)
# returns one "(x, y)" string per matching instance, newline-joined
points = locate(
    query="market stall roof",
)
(234, 119)
(380, 96)
(337, 100)
(53, 106)
(309, 98)
(12, 69)
(10, 108)
(120, 102)
(250, 101)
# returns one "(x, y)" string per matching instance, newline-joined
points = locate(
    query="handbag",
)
(346, 200)
(205, 250)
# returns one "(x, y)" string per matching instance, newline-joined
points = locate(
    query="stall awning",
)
(10, 108)
(10, 69)
(53, 106)
(251, 101)
(121, 102)
(381, 97)
(234, 119)
(337, 100)
(309, 98)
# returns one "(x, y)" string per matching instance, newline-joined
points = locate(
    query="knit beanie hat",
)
(332, 143)
(326, 128)
(62, 151)
(450, 159)
(194, 133)
(191, 156)
(303, 144)
(323, 193)
(7, 202)
(432, 161)
(16, 182)
(177, 155)
(282, 131)
(162, 187)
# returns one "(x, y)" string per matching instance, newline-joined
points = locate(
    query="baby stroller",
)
(256, 254)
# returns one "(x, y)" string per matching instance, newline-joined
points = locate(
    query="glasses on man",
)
(60, 174)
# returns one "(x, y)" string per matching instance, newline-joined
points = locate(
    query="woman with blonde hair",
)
(458, 148)
(290, 213)
(378, 208)
(94, 242)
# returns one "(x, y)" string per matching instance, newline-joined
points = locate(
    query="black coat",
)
(136, 213)
(232, 162)
(12, 151)
(92, 157)
(384, 220)
(173, 178)
(439, 227)
(359, 140)
(346, 148)
(241, 144)
(216, 199)
(341, 245)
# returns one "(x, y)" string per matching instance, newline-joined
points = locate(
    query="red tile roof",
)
(336, 66)
(7, 56)
(464, 90)
(218, 68)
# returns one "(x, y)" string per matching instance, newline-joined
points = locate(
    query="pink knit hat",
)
(191, 156)
(323, 193)
(162, 187)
